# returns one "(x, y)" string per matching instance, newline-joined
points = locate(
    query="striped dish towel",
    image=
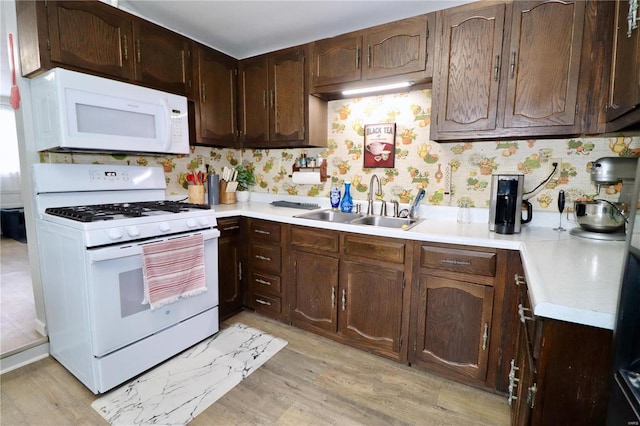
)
(173, 269)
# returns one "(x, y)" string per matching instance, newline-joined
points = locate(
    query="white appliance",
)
(91, 225)
(75, 111)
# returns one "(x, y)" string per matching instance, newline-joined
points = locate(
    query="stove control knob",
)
(203, 221)
(191, 223)
(133, 231)
(165, 227)
(115, 234)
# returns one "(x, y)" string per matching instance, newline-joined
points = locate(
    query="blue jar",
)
(346, 205)
(334, 197)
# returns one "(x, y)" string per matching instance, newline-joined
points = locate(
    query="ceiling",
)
(244, 28)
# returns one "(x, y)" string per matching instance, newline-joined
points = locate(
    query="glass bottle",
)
(346, 205)
(334, 197)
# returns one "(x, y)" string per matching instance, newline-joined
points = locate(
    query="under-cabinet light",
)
(377, 88)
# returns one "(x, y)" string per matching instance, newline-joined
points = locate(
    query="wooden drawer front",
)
(458, 260)
(267, 231)
(315, 240)
(265, 283)
(266, 303)
(229, 226)
(265, 258)
(389, 250)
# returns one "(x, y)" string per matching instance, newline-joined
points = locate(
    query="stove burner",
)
(98, 212)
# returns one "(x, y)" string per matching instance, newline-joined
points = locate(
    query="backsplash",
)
(419, 162)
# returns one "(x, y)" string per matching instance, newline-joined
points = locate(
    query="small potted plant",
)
(245, 179)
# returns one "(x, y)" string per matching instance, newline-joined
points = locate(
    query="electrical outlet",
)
(557, 161)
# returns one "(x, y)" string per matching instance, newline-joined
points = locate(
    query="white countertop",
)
(569, 278)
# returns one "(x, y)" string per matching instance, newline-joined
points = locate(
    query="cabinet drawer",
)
(467, 261)
(265, 283)
(265, 303)
(390, 250)
(229, 226)
(267, 231)
(314, 240)
(265, 258)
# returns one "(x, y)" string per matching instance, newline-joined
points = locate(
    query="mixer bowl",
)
(600, 216)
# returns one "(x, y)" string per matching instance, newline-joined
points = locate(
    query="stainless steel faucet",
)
(396, 208)
(370, 199)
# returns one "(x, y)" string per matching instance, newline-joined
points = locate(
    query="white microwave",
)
(75, 111)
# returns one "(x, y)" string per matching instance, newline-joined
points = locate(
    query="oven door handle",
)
(135, 248)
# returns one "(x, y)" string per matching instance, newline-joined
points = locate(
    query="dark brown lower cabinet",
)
(350, 288)
(453, 326)
(230, 262)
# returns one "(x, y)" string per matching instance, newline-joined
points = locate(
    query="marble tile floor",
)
(177, 391)
(17, 309)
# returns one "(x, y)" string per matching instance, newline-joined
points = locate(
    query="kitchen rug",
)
(175, 392)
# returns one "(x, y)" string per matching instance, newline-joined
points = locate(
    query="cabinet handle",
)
(230, 228)
(239, 271)
(138, 49)
(204, 93)
(369, 56)
(358, 57)
(513, 64)
(272, 99)
(518, 279)
(344, 298)
(263, 302)
(455, 262)
(512, 382)
(531, 395)
(485, 336)
(126, 47)
(258, 256)
(260, 231)
(264, 99)
(333, 297)
(521, 313)
(496, 68)
(261, 281)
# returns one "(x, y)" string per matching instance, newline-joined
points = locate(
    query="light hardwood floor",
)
(18, 312)
(312, 381)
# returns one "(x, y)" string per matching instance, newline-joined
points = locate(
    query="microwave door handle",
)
(167, 110)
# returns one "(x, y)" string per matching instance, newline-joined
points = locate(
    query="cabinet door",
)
(544, 63)
(370, 306)
(624, 94)
(522, 386)
(162, 58)
(91, 36)
(396, 49)
(454, 320)
(337, 60)
(286, 96)
(229, 267)
(216, 102)
(466, 86)
(315, 289)
(254, 100)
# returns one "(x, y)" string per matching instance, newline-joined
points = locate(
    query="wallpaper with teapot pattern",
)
(419, 162)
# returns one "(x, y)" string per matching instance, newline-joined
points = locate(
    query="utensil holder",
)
(213, 189)
(226, 197)
(196, 194)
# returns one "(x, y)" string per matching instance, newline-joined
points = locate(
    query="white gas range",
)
(93, 221)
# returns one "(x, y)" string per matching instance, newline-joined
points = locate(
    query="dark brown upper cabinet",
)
(276, 110)
(388, 53)
(508, 70)
(85, 36)
(162, 58)
(623, 107)
(215, 77)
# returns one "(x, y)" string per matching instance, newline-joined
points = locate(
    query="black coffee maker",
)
(505, 209)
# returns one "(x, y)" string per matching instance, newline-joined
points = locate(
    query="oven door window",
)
(116, 298)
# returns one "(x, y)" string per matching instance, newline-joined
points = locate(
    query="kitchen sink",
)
(361, 219)
(387, 222)
(331, 216)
